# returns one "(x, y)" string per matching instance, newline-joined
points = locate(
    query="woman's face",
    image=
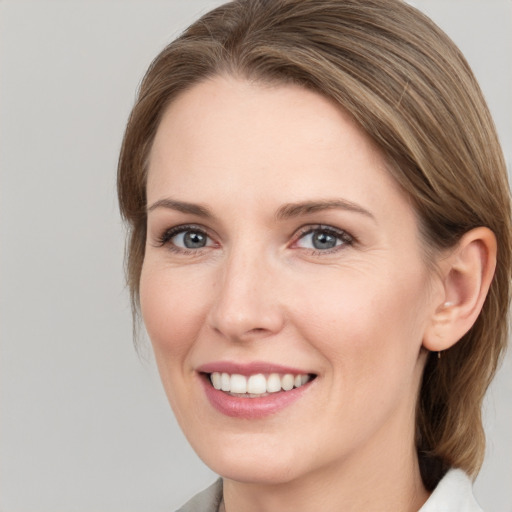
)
(280, 251)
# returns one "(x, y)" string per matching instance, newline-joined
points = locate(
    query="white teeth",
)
(287, 382)
(216, 380)
(225, 382)
(257, 384)
(238, 384)
(273, 383)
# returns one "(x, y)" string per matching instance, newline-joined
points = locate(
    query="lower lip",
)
(251, 408)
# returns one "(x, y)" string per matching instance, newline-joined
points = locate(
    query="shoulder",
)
(454, 493)
(206, 501)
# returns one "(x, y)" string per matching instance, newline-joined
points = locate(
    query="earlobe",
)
(466, 275)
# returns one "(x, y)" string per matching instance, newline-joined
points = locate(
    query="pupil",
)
(194, 240)
(324, 241)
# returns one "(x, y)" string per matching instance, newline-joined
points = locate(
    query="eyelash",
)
(346, 239)
(169, 234)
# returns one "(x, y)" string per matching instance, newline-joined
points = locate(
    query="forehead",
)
(228, 135)
(237, 108)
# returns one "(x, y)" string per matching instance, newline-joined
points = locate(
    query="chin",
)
(250, 462)
(255, 470)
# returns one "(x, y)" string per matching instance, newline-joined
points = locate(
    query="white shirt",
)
(454, 493)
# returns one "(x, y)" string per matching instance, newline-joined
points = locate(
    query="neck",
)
(380, 479)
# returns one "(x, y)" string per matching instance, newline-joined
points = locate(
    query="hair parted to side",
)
(413, 93)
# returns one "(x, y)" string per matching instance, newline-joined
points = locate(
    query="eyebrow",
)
(287, 211)
(181, 206)
(291, 210)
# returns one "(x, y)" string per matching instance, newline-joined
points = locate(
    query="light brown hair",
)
(411, 90)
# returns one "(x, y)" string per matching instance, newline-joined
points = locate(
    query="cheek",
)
(369, 332)
(172, 308)
(368, 320)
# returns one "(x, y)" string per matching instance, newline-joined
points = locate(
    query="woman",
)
(320, 249)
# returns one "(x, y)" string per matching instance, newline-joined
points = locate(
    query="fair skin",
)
(277, 236)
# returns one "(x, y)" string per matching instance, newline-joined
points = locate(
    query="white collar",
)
(454, 493)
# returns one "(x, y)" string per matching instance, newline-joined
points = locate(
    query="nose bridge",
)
(245, 303)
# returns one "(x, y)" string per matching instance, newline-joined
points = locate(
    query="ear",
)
(465, 278)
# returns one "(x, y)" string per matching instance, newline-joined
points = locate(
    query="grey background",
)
(84, 424)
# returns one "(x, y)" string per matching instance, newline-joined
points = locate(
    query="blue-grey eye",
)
(190, 239)
(322, 239)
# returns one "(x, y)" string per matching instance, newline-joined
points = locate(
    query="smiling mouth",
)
(257, 385)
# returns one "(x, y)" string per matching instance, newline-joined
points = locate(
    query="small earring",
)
(439, 355)
(448, 304)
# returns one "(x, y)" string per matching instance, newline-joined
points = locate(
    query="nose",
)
(246, 304)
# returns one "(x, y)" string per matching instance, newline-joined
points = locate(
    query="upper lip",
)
(248, 368)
